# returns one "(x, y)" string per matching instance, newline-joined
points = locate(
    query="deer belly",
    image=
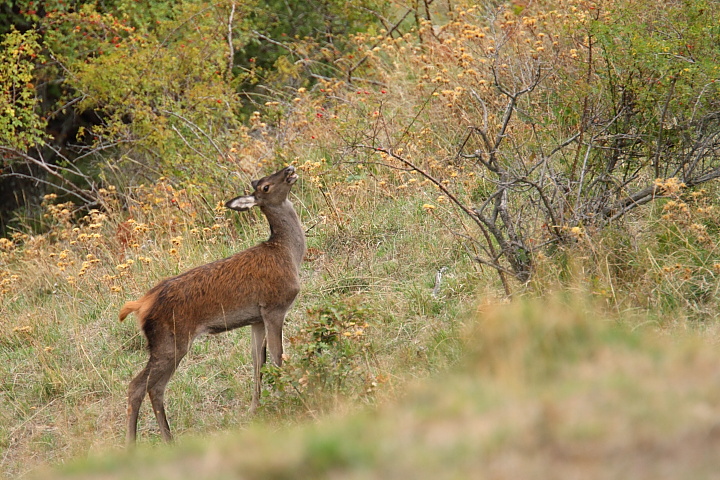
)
(228, 320)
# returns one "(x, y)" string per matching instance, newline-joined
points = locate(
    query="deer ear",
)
(246, 202)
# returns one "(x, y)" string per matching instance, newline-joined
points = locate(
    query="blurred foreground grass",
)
(555, 388)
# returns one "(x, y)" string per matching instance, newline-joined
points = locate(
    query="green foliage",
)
(333, 357)
(21, 126)
(158, 91)
(661, 70)
(304, 37)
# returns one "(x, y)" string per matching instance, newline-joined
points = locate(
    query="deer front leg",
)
(259, 354)
(274, 320)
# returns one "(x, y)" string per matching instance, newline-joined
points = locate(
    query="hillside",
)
(511, 216)
(546, 389)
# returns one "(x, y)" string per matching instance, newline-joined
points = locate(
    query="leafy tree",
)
(156, 88)
(20, 125)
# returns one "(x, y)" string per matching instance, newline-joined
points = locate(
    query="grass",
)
(510, 389)
(585, 392)
(65, 360)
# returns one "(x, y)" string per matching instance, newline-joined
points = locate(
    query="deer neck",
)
(285, 229)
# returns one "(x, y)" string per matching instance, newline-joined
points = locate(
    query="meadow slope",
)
(546, 389)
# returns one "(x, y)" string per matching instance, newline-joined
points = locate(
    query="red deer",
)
(255, 287)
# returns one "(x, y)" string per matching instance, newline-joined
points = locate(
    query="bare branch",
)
(564, 144)
(36, 179)
(443, 188)
(549, 210)
(63, 183)
(475, 216)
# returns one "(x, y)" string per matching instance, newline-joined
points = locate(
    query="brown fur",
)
(254, 287)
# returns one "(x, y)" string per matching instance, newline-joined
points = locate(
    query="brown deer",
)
(255, 287)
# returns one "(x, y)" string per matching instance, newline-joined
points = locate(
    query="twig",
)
(231, 48)
(45, 182)
(382, 164)
(661, 127)
(564, 144)
(182, 137)
(208, 137)
(412, 122)
(438, 281)
(275, 42)
(352, 80)
(583, 171)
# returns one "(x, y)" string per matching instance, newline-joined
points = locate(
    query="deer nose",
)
(290, 175)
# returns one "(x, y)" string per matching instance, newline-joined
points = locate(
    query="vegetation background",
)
(511, 217)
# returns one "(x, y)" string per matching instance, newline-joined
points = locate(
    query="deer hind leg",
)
(136, 394)
(158, 379)
(259, 354)
(153, 379)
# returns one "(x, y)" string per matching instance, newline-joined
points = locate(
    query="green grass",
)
(585, 393)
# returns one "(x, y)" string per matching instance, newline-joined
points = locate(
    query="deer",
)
(254, 287)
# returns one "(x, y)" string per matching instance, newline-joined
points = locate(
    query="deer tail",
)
(129, 308)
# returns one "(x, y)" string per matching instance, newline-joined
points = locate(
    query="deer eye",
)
(266, 188)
